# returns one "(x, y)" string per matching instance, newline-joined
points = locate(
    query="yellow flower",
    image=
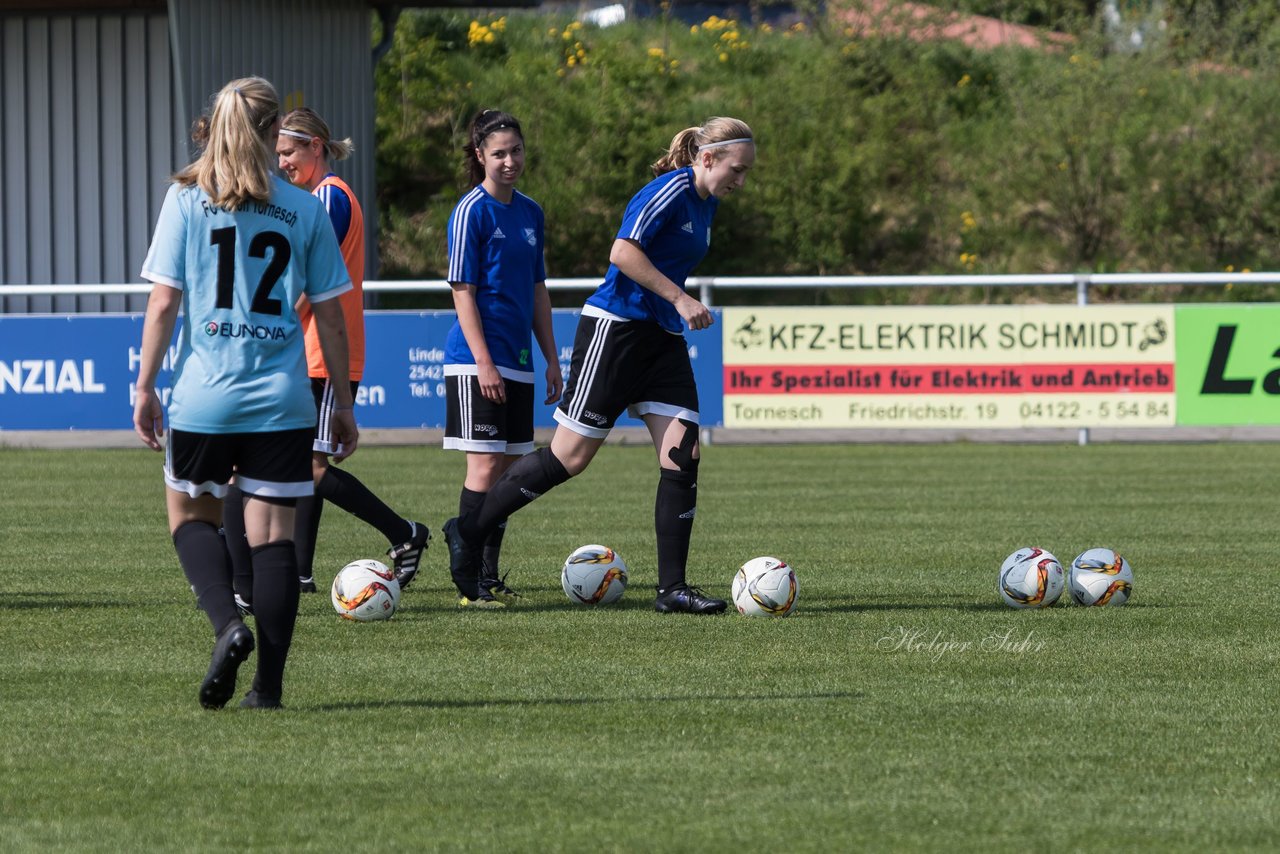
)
(694, 29)
(968, 221)
(657, 52)
(488, 38)
(964, 81)
(581, 53)
(559, 72)
(571, 61)
(675, 63)
(1245, 270)
(765, 28)
(552, 31)
(724, 57)
(1230, 268)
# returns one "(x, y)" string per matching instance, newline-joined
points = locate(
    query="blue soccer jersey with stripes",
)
(497, 248)
(241, 362)
(672, 224)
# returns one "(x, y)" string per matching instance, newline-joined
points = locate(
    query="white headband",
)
(296, 134)
(725, 142)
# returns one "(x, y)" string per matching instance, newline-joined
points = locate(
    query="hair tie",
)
(726, 142)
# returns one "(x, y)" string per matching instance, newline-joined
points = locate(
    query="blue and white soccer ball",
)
(594, 575)
(1100, 577)
(365, 590)
(765, 587)
(1030, 578)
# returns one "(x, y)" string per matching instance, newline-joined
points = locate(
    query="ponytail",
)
(307, 122)
(715, 132)
(235, 165)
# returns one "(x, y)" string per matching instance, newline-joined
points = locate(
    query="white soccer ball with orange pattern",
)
(1100, 577)
(765, 587)
(1030, 578)
(365, 590)
(594, 575)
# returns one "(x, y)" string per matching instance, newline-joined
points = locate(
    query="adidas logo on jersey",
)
(497, 234)
(687, 227)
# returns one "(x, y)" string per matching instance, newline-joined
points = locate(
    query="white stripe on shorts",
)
(590, 367)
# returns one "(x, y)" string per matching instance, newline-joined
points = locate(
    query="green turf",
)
(902, 707)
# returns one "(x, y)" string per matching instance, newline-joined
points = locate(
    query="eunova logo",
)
(226, 329)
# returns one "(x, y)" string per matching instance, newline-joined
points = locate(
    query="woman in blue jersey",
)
(500, 294)
(234, 248)
(629, 353)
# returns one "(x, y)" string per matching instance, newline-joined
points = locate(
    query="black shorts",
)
(472, 422)
(322, 392)
(269, 465)
(625, 365)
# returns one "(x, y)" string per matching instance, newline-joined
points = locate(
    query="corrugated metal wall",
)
(318, 54)
(88, 136)
(96, 110)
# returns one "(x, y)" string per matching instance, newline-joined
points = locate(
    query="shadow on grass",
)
(853, 606)
(579, 701)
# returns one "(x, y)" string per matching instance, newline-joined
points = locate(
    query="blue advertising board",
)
(76, 372)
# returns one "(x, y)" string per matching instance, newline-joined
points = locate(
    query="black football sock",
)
(527, 478)
(275, 609)
(205, 562)
(237, 543)
(673, 511)
(306, 528)
(346, 491)
(493, 551)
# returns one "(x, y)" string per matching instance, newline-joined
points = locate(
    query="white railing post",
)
(1082, 298)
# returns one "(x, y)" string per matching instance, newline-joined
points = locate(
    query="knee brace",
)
(682, 454)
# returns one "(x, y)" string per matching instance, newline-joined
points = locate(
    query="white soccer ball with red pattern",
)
(765, 587)
(594, 575)
(1100, 577)
(365, 590)
(1030, 578)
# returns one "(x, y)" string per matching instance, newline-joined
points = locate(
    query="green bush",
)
(877, 154)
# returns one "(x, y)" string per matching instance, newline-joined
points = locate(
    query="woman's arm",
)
(628, 257)
(157, 332)
(464, 302)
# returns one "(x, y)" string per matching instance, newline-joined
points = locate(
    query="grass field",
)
(902, 707)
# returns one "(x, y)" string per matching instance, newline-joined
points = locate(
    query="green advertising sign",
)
(1228, 364)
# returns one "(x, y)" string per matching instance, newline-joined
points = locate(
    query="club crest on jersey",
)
(531, 237)
(498, 235)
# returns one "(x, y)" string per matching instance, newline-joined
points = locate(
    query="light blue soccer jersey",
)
(672, 223)
(241, 362)
(497, 248)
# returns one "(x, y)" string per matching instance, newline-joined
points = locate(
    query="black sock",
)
(526, 479)
(237, 543)
(346, 491)
(275, 609)
(673, 511)
(493, 551)
(205, 562)
(306, 528)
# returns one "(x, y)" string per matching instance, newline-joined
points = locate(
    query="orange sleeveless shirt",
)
(352, 301)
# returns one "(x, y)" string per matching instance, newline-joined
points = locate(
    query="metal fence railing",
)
(706, 286)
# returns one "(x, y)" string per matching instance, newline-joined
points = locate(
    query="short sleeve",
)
(464, 241)
(327, 275)
(166, 261)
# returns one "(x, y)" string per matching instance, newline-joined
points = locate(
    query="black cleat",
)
(406, 556)
(496, 586)
(254, 700)
(229, 652)
(464, 561)
(306, 584)
(687, 600)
